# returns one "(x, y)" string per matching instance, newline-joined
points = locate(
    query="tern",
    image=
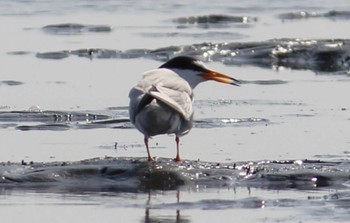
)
(162, 101)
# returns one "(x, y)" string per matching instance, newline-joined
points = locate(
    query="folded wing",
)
(180, 101)
(165, 86)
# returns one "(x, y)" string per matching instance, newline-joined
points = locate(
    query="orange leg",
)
(148, 153)
(177, 159)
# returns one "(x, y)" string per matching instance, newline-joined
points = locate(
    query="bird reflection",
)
(151, 217)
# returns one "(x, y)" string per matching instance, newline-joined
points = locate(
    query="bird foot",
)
(177, 159)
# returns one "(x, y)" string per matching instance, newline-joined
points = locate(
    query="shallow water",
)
(275, 149)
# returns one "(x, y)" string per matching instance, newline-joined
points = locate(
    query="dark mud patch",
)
(333, 14)
(48, 116)
(61, 121)
(75, 28)
(201, 35)
(53, 55)
(230, 122)
(214, 19)
(137, 174)
(19, 53)
(328, 55)
(11, 83)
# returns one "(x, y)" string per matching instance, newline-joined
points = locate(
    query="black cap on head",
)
(185, 63)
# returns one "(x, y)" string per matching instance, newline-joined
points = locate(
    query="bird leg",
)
(148, 153)
(177, 159)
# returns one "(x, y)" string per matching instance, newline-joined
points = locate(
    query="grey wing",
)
(180, 101)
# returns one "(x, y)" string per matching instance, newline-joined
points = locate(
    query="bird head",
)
(194, 71)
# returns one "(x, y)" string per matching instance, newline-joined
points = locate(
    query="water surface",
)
(275, 149)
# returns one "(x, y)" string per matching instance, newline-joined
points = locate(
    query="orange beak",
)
(220, 77)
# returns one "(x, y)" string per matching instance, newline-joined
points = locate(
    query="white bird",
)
(161, 102)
